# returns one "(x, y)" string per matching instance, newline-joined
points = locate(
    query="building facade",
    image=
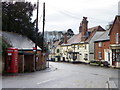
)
(80, 47)
(115, 42)
(107, 47)
(28, 60)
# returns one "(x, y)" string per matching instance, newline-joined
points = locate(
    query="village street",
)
(62, 75)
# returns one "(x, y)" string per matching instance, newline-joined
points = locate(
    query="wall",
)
(115, 29)
(83, 49)
(105, 45)
(20, 63)
(29, 63)
(91, 44)
(26, 61)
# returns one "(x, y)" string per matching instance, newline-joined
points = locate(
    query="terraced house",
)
(80, 48)
(107, 47)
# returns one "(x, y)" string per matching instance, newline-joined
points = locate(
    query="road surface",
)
(62, 75)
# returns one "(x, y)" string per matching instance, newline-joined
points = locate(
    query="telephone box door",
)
(12, 60)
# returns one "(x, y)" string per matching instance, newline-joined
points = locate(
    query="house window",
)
(116, 38)
(86, 57)
(85, 47)
(99, 55)
(100, 44)
(58, 50)
(78, 46)
(118, 55)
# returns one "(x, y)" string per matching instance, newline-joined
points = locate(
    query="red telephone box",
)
(12, 60)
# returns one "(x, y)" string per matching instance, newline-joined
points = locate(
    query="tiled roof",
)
(17, 40)
(104, 36)
(77, 38)
(98, 28)
(116, 18)
(58, 42)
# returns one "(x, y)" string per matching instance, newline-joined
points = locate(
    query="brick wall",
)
(105, 45)
(115, 29)
(20, 63)
(26, 61)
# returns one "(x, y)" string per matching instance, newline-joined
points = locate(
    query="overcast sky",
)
(67, 14)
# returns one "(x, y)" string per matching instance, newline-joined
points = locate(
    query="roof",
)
(58, 42)
(77, 38)
(18, 41)
(98, 28)
(104, 36)
(92, 31)
(116, 18)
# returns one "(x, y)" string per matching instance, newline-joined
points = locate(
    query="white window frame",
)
(86, 56)
(99, 44)
(99, 55)
(117, 38)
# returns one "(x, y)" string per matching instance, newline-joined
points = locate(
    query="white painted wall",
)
(82, 51)
(118, 65)
(106, 55)
(110, 57)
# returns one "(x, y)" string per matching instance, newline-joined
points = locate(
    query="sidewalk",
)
(51, 68)
(113, 83)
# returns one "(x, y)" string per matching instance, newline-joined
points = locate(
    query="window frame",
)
(99, 55)
(99, 44)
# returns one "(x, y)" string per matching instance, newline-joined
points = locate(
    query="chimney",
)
(80, 28)
(84, 29)
(65, 38)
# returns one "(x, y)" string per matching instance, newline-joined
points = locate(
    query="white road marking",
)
(46, 81)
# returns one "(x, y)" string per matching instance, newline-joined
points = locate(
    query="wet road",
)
(62, 75)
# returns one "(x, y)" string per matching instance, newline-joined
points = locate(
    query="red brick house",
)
(100, 45)
(107, 47)
(115, 42)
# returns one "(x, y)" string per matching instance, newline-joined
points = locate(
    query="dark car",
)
(105, 63)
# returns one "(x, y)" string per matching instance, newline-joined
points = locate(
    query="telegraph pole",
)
(43, 27)
(36, 39)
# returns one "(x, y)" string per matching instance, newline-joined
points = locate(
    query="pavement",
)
(112, 83)
(48, 69)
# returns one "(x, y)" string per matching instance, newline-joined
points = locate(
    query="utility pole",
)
(43, 26)
(36, 39)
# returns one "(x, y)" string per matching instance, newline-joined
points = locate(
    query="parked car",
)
(95, 62)
(99, 63)
(105, 63)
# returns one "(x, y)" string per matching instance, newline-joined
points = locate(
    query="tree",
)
(16, 17)
(70, 33)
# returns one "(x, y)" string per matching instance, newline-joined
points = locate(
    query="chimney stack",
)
(80, 28)
(84, 29)
(65, 38)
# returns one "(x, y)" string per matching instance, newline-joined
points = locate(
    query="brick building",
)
(107, 47)
(115, 42)
(26, 54)
(100, 45)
